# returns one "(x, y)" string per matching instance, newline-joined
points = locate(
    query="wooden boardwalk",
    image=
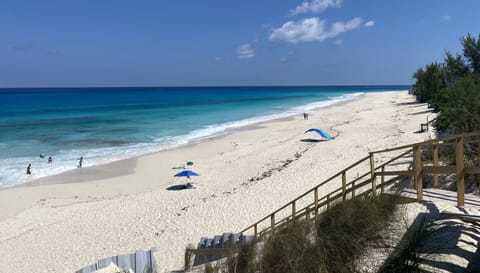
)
(376, 172)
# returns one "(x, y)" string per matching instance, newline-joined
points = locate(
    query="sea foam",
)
(12, 170)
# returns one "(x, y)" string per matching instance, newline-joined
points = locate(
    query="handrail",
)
(429, 142)
(308, 192)
(351, 186)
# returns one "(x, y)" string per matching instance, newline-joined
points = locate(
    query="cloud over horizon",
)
(245, 51)
(315, 6)
(312, 29)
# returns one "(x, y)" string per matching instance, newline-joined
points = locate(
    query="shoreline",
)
(243, 176)
(95, 172)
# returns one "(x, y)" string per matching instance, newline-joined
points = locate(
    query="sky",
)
(67, 43)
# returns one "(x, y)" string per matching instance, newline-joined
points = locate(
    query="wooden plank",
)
(353, 189)
(417, 167)
(459, 162)
(382, 181)
(344, 185)
(372, 174)
(429, 142)
(307, 211)
(315, 199)
(472, 170)
(435, 164)
(140, 261)
(293, 211)
(255, 230)
(126, 261)
(396, 173)
(102, 263)
(272, 221)
(439, 169)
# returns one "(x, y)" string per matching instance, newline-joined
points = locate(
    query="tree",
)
(454, 68)
(459, 106)
(429, 82)
(471, 52)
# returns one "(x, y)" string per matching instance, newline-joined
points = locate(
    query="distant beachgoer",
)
(42, 156)
(80, 163)
(28, 169)
(50, 160)
(305, 116)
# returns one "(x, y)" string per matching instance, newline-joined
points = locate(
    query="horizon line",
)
(205, 86)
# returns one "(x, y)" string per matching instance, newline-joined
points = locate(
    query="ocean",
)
(108, 124)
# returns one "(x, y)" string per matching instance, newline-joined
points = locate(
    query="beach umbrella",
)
(186, 173)
(320, 132)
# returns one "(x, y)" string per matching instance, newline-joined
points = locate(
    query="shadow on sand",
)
(312, 140)
(180, 187)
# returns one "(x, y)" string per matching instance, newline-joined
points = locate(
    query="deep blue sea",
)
(108, 124)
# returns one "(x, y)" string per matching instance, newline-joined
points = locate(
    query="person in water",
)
(50, 160)
(28, 169)
(80, 162)
(42, 156)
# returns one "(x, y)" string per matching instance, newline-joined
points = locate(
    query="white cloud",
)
(245, 51)
(218, 59)
(312, 29)
(369, 24)
(339, 42)
(446, 18)
(315, 6)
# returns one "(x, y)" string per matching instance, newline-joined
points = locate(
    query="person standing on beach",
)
(28, 169)
(50, 160)
(305, 116)
(80, 162)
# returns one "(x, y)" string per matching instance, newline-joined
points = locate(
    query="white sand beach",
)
(65, 222)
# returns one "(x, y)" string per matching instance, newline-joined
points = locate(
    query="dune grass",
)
(334, 243)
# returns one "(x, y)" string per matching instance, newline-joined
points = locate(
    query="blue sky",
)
(216, 42)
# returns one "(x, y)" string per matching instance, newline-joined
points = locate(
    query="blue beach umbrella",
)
(186, 173)
(320, 132)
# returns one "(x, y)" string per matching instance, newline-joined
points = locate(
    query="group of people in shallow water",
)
(50, 160)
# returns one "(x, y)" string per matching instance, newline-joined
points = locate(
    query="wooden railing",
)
(311, 203)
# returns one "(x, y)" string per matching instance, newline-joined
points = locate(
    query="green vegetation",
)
(453, 88)
(406, 257)
(339, 240)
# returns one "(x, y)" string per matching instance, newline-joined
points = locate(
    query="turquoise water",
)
(108, 124)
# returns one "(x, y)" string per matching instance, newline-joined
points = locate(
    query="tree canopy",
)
(453, 88)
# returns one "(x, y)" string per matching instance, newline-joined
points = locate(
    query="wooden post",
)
(435, 163)
(459, 149)
(372, 174)
(353, 189)
(328, 201)
(344, 185)
(293, 211)
(272, 221)
(382, 186)
(307, 214)
(255, 230)
(417, 166)
(315, 197)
